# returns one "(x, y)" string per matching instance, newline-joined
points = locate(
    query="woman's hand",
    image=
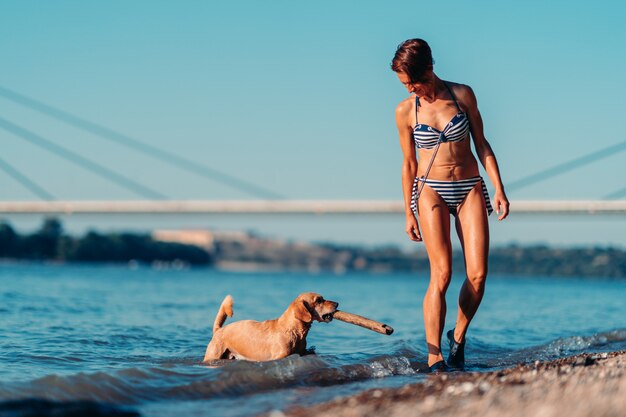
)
(501, 204)
(412, 228)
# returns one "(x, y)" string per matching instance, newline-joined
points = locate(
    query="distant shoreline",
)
(247, 252)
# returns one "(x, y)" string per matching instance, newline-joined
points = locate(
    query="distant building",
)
(206, 239)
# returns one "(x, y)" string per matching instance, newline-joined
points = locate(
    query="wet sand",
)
(581, 385)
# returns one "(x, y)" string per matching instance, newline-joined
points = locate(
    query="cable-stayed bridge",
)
(266, 201)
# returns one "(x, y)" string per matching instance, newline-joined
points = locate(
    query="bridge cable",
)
(142, 147)
(616, 194)
(94, 167)
(25, 181)
(566, 166)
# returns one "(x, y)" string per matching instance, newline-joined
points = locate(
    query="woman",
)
(438, 120)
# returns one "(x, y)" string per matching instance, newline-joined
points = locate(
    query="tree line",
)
(52, 244)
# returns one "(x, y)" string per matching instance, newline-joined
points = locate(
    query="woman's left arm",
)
(484, 151)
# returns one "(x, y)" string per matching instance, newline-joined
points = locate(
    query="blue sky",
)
(299, 97)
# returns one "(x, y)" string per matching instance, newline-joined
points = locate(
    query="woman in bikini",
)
(437, 119)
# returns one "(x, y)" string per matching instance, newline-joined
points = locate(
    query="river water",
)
(134, 337)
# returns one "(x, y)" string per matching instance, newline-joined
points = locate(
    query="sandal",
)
(439, 367)
(456, 359)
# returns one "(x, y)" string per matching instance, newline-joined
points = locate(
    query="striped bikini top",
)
(427, 137)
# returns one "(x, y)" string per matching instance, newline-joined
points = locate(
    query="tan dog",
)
(270, 339)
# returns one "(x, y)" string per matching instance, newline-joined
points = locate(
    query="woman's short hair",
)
(413, 57)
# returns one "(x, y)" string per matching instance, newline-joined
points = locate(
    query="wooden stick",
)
(363, 322)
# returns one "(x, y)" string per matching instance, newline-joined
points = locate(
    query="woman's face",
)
(421, 88)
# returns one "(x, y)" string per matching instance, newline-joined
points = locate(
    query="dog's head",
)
(310, 306)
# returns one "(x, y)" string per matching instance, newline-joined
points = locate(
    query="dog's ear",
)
(302, 312)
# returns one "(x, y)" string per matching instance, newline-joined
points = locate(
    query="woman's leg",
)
(434, 219)
(473, 230)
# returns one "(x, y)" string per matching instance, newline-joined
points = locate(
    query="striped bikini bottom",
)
(452, 192)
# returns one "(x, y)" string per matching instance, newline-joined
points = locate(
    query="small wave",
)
(53, 359)
(562, 347)
(184, 382)
(391, 365)
(240, 377)
(576, 344)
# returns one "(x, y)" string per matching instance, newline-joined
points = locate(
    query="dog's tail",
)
(226, 309)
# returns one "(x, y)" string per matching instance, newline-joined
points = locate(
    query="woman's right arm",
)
(409, 166)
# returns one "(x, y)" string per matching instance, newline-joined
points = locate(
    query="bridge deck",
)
(284, 207)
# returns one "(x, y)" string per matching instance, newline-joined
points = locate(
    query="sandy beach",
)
(576, 386)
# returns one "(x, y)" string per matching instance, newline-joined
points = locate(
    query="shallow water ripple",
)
(136, 337)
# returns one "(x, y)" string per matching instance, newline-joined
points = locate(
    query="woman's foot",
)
(456, 359)
(439, 367)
